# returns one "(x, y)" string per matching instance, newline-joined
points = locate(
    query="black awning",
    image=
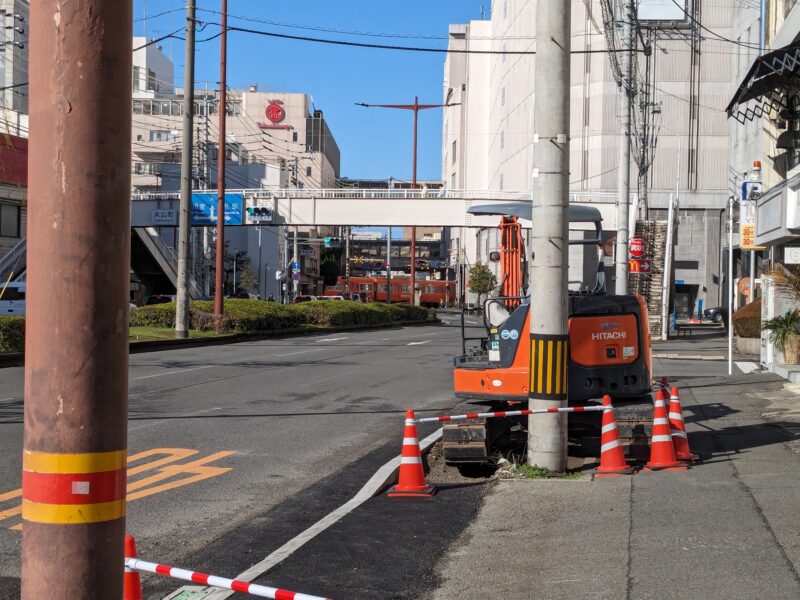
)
(770, 79)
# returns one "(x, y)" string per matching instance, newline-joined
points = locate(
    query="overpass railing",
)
(354, 193)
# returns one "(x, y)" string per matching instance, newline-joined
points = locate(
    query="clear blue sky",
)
(374, 143)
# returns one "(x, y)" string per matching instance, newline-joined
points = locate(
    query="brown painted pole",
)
(219, 291)
(76, 351)
(413, 252)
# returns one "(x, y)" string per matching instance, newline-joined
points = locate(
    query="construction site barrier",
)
(510, 413)
(229, 584)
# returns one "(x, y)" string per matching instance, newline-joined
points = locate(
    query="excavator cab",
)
(609, 345)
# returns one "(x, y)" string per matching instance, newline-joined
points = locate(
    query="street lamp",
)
(416, 107)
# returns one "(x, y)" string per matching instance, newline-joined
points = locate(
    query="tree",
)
(481, 280)
(247, 280)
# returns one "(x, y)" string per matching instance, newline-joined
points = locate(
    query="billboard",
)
(663, 10)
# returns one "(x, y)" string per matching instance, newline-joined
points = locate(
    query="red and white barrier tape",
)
(220, 582)
(511, 413)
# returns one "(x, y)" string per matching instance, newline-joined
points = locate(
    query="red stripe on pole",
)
(163, 570)
(578, 408)
(500, 414)
(73, 488)
(284, 595)
(200, 578)
(240, 586)
(444, 418)
(472, 415)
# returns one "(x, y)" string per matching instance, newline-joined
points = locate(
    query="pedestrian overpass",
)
(419, 207)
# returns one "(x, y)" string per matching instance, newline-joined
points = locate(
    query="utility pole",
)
(219, 307)
(624, 167)
(416, 107)
(76, 352)
(184, 215)
(347, 257)
(548, 271)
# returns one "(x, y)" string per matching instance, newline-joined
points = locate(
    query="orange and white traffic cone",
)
(133, 584)
(678, 430)
(411, 482)
(612, 458)
(662, 452)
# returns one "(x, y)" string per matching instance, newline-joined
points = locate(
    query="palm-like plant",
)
(782, 327)
(786, 280)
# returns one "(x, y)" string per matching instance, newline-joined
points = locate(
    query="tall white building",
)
(14, 67)
(488, 139)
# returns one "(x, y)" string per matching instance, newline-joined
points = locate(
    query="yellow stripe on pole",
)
(539, 377)
(558, 366)
(90, 462)
(550, 366)
(72, 514)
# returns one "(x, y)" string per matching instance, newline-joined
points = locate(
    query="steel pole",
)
(413, 250)
(388, 265)
(624, 162)
(547, 436)
(295, 259)
(730, 285)
(76, 347)
(219, 279)
(184, 221)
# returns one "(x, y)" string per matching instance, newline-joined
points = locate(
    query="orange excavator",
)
(609, 348)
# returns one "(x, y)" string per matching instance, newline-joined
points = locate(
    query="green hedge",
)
(747, 320)
(12, 334)
(255, 315)
(337, 313)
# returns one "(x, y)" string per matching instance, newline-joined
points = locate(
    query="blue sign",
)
(295, 266)
(679, 282)
(295, 276)
(204, 209)
(749, 188)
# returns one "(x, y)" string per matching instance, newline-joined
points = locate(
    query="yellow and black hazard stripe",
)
(549, 367)
(67, 489)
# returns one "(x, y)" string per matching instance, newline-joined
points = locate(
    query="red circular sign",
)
(275, 112)
(637, 247)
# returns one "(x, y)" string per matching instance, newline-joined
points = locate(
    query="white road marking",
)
(173, 372)
(747, 366)
(300, 352)
(381, 477)
(333, 339)
(471, 322)
(418, 343)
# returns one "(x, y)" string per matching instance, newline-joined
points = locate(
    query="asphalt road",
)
(221, 435)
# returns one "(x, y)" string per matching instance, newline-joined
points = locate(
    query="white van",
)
(12, 298)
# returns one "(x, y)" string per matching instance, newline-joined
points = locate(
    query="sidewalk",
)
(727, 528)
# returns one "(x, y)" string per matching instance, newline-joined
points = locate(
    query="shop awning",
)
(770, 81)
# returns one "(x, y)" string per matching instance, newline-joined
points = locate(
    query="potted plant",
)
(783, 333)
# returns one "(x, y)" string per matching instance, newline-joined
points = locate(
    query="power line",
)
(351, 44)
(714, 33)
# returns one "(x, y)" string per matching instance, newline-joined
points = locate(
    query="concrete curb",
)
(17, 359)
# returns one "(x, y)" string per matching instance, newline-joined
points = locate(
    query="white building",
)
(488, 139)
(14, 67)
(273, 140)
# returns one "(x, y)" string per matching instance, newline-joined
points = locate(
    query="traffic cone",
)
(662, 452)
(612, 458)
(678, 430)
(411, 482)
(133, 585)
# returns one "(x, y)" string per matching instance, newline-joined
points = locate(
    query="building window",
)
(453, 181)
(505, 9)
(505, 48)
(160, 136)
(151, 80)
(454, 152)
(137, 79)
(9, 220)
(294, 136)
(503, 96)
(500, 185)
(502, 139)
(308, 171)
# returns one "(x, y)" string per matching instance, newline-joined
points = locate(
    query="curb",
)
(17, 359)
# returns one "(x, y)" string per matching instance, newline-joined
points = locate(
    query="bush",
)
(12, 334)
(206, 321)
(337, 313)
(254, 315)
(156, 315)
(747, 320)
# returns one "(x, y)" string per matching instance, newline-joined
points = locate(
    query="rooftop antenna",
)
(481, 11)
(144, 20)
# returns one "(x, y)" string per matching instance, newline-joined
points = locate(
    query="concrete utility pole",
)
(76, 352)
(184, 217)
(624, 168)
(295, 259)
(219, 291)
(388, 265)
(548, 274)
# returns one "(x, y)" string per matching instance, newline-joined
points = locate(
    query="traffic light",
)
(259, 214)
(333, 242)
